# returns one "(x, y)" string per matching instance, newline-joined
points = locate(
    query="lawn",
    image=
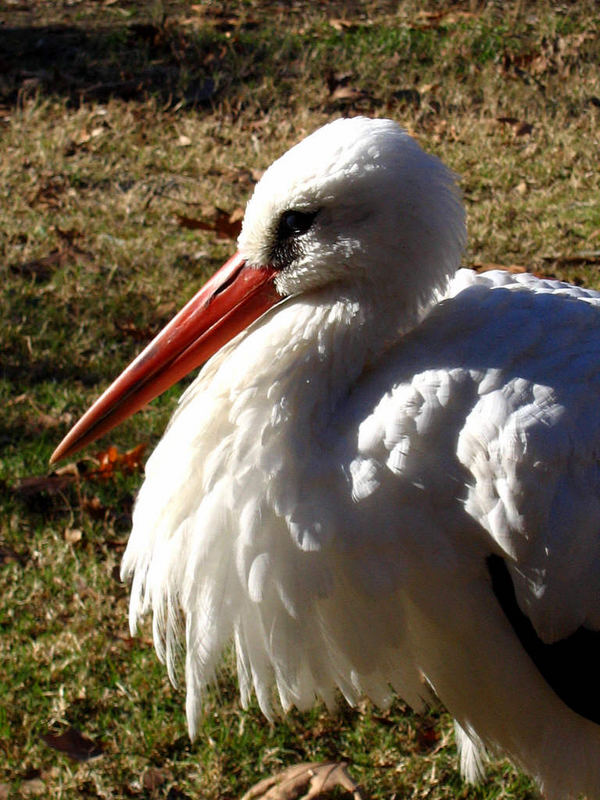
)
(131, 135)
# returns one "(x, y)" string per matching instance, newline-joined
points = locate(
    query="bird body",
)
(334, 518)
(389, 481)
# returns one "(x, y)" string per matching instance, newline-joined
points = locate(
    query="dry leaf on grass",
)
(73, 535)
(74, 744)
(519, 126)
(306, 781)
(226, 225)
(37, 419)
(7, 554)
(153, 778)
(347, 94)
(342, 25)
(335, 79)
(516, 269)
(427, 736)
(129, 328)
(93, 507)
(433, 19)
(41, 269)
(132, 642)
(34, 787)
(35, 484)
(582, 257)
(110, 462)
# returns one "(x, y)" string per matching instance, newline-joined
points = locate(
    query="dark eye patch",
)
(295, 223)
(287, 246)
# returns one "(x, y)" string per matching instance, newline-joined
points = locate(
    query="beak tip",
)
(56, 455)
(233, 298)
(69, 445)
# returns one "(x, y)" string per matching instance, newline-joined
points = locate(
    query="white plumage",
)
(346, 488)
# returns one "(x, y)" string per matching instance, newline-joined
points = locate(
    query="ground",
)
(131, 137)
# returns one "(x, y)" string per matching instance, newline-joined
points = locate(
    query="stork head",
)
(357, 204)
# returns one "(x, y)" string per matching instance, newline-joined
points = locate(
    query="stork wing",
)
(493, 400)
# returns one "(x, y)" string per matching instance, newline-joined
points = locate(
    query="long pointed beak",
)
(233, 298)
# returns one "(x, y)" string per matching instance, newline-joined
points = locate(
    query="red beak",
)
(233, 298)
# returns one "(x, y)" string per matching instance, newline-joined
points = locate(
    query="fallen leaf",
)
(93, 507)
(42, 422)
(342, 25)
(433, 19)
(514, 268)
(313, 780)
(68, 235)
(412, 96)
(224, 224)
(82, 137)
(40, 269)
(130, 642)
(193, 224)
(74, 744)
(137, 334)
(166, 309)
(7, 554)
(519, 126)
(335, 79)
(347, 94)
(26, 487)
(523, 128)
(106, 461)
(427, 736)
(73, 535)
(581, 257)
(153, 778)
(85, 590)
(111, 462)
(107, 465)
(20, 398)
(49, 191)
(68, 469)
(33, 788)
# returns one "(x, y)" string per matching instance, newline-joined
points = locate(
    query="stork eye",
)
(294, 223)
(288, 244)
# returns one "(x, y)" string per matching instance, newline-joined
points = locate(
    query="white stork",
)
(389, 481)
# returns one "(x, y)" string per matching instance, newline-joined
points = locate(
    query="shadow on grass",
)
(190, 66)
(130, 62)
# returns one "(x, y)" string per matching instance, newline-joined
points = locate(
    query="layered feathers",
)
(331, 485)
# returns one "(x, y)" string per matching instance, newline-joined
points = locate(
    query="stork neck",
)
(325, 340)
(332, 335)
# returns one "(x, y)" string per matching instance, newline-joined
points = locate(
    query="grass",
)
(116, 117)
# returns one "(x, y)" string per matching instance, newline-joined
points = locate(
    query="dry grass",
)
(98, 158)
